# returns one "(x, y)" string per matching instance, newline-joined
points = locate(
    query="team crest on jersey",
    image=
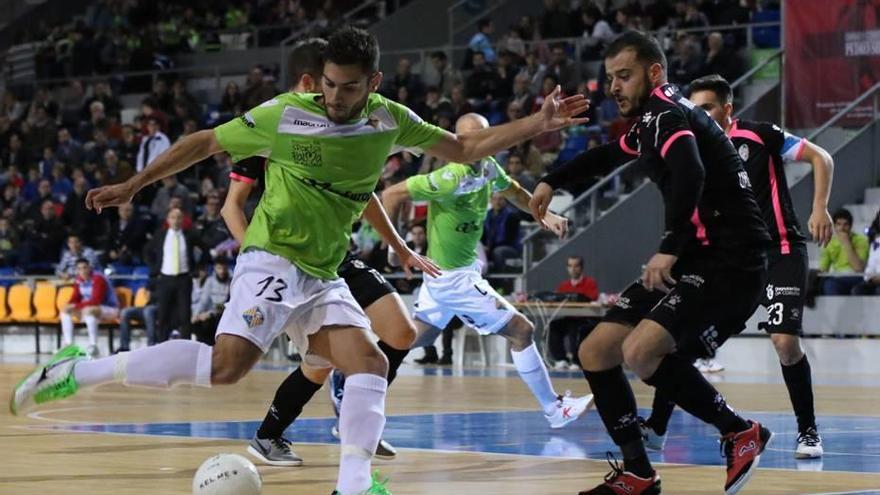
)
(770, 293)
(253, 317)
(308, 154)
(744, 181)
(744, 152)
(647, 117)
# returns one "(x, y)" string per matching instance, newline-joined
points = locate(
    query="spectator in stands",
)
(170, 189)
(130, 144)
(128, 235)
(693, 17)
(75, 251)
(104, 94)
(459, 102)
(686, 64)
(93, 300)
(210, 227)
(11, 201)
(97, 120)
(43, 131)
(522, 96)
(8, 243)
(12, 107)
(501, 233)
(445, 77)
(146, 313)
(507, 71)
(214, 294)
(556, 22)
(232, 100)
(435, 103)
(871, 284)
(43, 237)
(161, 96)
(514, 43)
(114, 171)
(535, 71)
(482, 84)
(14, 156)
(563, 68)
(418, 239)
(61, 185)
(596, 33)
(48, 162)
(258, 89)
(843, 257)
(30, 190)
(171, 256)
(404, 77)
(43, 193)
(68, 150)
(516, 169)
(42, 100)
(572, 330)
(481, 41)
(722, 60)
(80, 220)
(152, 145)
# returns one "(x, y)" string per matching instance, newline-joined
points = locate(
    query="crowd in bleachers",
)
(58, 141)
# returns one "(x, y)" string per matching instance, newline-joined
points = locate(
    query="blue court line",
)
(852, 443)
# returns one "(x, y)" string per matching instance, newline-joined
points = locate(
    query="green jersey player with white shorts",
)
(325, 154)
(458, 196)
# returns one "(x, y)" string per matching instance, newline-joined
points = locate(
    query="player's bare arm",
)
(820, 224)
(471, 146)
(233, 209)
(376, 216)
(520, 198)
(189, 150)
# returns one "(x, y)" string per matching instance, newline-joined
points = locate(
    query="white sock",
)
(174, 362)
(66, 329)
(361, 421)
(532, 370)
(91, 322)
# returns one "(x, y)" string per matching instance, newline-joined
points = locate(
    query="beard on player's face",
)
(636, 96)
(346, 89)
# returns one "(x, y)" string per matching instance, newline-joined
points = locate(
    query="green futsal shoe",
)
(51, 381)
(376, 488)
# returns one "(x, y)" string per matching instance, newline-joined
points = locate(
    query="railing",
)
(214, 71)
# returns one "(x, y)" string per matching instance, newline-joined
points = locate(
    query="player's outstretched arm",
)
(820, 224)
(393, 199)
(520, 198)
(468, 147)
(182, 155)
(376, 216)
(233, 209)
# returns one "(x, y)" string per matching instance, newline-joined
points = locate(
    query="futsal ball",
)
(227, 474)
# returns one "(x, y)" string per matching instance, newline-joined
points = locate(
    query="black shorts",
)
(709, 303)
(366, 284)
(785, 292)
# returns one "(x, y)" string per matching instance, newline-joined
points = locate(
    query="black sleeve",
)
(773, 137)
(598, 161)
(248, 170)
(686, 176)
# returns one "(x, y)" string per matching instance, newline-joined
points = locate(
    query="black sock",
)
(799, 381)
(687, 387)
(661, 411)
(395, 358)
(294, 392)
(617, 408)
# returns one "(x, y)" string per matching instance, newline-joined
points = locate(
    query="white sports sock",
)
(361, 421)
(170, 363)
(91, 322)
(66, 329)
(532, 370)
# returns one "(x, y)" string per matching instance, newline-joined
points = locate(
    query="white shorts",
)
(107, 313)
(463, 292)
(269, 295)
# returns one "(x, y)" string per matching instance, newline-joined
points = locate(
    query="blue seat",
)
(7, 275)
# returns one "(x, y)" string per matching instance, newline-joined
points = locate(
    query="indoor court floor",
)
(464, 431)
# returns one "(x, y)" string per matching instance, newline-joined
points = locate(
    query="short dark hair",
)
(714, 83)
(844, 214)
(439, 55)
(580, 259)
(646, 47)
(306, 57)
(83, 260)
(484, 23)
(353, 46)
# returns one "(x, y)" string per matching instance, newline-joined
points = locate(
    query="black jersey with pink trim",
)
(248, 170)
(764, 149)
(727, 221)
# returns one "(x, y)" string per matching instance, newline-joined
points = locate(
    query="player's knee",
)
(788, 348)
(599, 354)
(403, 338)
(372, 362)
(521, 332)
(227, 367)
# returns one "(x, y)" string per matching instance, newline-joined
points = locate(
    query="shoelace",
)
(726, 447)
(282, 444)
(379, 487)
(616, 470)
(809, 437)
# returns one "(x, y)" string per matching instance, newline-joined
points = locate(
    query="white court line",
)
(870, 490)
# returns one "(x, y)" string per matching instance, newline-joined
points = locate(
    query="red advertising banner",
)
(832, 55)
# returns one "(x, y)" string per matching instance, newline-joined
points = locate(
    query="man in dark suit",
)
(171, 260)
(128, 234)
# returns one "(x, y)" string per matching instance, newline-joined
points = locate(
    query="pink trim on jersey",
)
(672, 138)
(701, 228)
(626, 149)
(658, 92)
(784, 245)
(742, 133)
(240, 178)
(800, 153)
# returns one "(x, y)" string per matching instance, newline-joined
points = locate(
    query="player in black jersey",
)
(371, 291)
(765, 148)
(702, 285)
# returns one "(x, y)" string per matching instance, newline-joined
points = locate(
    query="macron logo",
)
(306, 123)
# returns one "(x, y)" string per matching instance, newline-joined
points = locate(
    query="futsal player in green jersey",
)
(325, 153)
(458, 196)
